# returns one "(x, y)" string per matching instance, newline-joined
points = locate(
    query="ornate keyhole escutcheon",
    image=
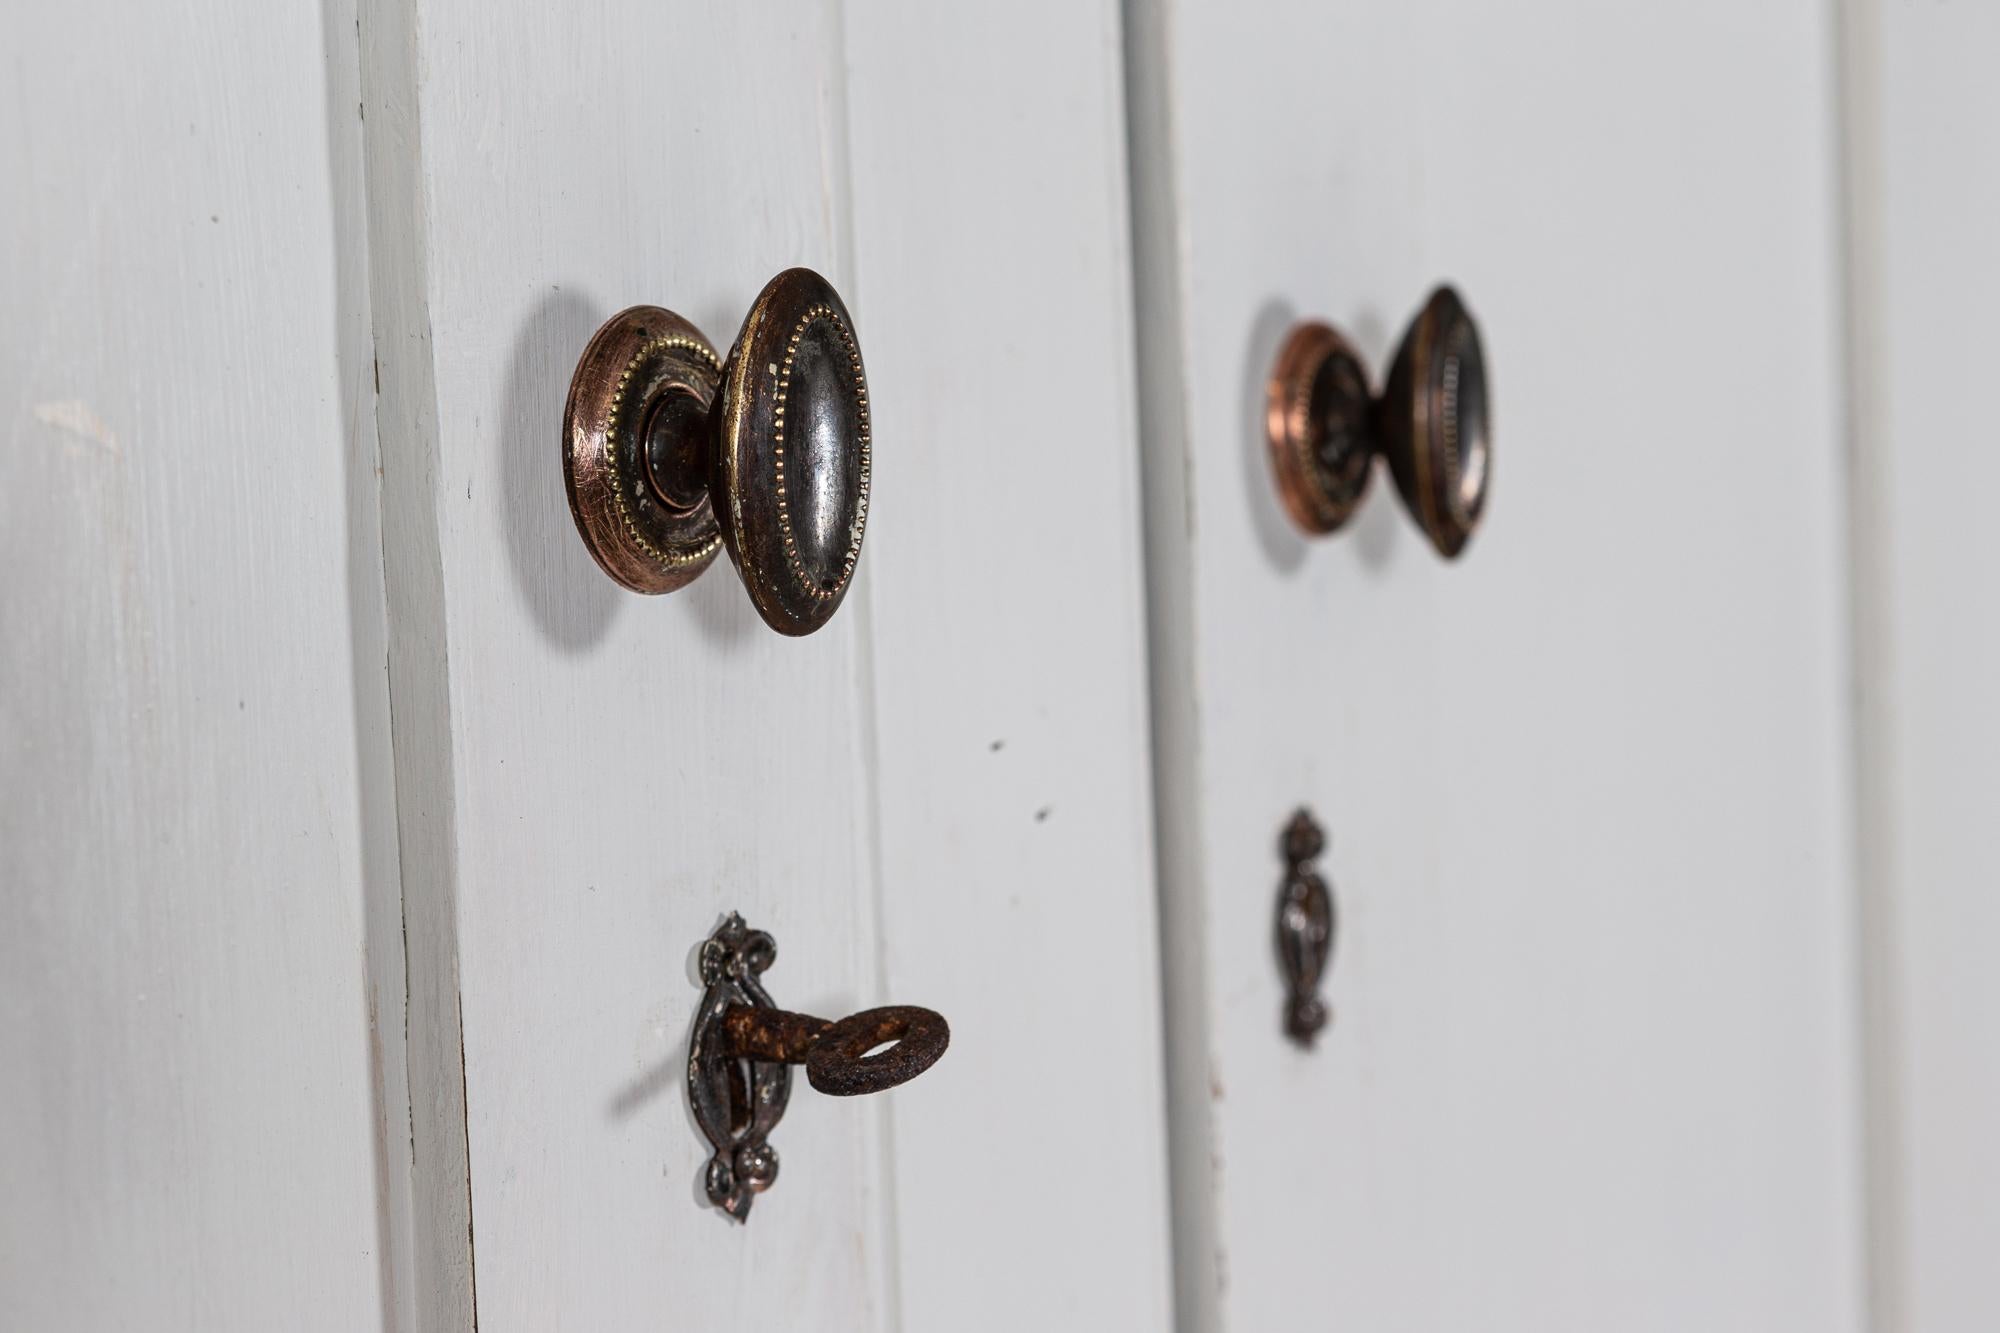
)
(1306, 924)
(743, 1047)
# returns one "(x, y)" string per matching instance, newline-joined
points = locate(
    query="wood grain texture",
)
(1008, 641)
(195, 836)
(1592, 1062)
(1924, 203)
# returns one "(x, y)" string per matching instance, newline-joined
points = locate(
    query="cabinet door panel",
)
(197, 857)
(591, 777)
(1009, 639)
(1592, 1060)
(1924, 129)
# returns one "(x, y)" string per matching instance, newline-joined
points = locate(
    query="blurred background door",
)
(1595, 1059)
(1661, 821)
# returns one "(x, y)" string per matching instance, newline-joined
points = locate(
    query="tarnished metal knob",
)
(1432, 424)
(671, 453)
(743, 1047)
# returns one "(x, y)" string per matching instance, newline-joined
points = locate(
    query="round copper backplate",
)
(645, 367)
(792, 452)
(1316, 424)
(1436, 425)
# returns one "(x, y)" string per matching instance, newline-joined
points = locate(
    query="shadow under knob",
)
(672, 454)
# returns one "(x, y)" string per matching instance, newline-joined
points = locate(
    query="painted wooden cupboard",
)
(359, 836)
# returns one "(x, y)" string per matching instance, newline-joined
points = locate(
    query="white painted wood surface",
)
(196, 843)
(992, 279)
(1593, 1062)
(1924, 207)
(618, 772)
(609, 774)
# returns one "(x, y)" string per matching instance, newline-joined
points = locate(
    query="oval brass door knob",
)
(743, 1047)
(1431, 423)
(671, 453)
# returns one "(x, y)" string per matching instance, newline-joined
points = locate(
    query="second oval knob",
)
(1431, 424)
(671, 453)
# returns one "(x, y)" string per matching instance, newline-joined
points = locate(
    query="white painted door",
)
(917, 808)
(1594, 1055)
(367, 830)
(197, 839)
(1923, 117)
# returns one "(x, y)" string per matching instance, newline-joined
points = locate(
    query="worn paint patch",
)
(75, 418)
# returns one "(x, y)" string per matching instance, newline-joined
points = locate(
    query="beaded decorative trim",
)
(665, 559)
(822, 592)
